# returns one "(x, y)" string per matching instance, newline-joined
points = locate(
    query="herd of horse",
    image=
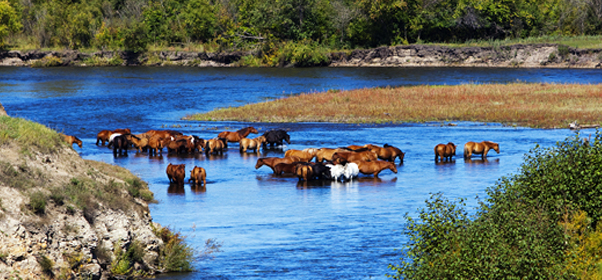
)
(344, 163)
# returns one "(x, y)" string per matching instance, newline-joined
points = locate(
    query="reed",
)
(522, 104)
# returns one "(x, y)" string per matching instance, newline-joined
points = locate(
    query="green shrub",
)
(45, 263)
(37, 202)
(563, 51)
(524, 230)
(175, 255)
(304, 54)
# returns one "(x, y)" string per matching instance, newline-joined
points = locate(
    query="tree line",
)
(242, 24)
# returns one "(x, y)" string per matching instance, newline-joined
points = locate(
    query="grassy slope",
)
(533, 105)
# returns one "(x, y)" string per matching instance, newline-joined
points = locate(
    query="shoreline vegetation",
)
(516, 104)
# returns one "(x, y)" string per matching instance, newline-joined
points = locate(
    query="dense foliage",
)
(542, 223)
(265, 25)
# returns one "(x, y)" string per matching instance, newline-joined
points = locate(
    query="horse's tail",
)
(466, 149)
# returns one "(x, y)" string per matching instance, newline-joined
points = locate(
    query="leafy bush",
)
(37, 202)
(175, 256)
(534, 225)
(304, 54)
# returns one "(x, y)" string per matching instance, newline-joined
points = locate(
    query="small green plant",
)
(47, 61)
(58, 198)
(552, 57)
(37, 202)
(563, 51)
(46, 264)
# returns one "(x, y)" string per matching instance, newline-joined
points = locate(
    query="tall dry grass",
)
(533, 105)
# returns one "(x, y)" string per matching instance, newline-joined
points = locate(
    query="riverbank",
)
(530, 105)
(63, 217)
(514, 56)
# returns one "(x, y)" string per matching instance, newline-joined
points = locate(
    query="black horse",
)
(121, 143)
(276, 136)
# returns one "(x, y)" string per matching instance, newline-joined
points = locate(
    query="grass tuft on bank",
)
(522, 104)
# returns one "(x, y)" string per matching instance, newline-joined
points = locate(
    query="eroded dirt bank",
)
(521, 56)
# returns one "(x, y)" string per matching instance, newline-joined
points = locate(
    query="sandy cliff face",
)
(78, 233)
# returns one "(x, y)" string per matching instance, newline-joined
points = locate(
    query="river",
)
(274, 227)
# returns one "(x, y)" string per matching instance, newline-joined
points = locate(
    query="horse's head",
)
(77, 141)
(259, 163)
(391, 166)
(287, 138)
(494, 146)
(252, 130)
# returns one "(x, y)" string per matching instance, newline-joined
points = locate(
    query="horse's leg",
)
(485, 151)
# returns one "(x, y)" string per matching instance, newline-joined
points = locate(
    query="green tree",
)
(200, 20)
(529, 227)
(9, 21)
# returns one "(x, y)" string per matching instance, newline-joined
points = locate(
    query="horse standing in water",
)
(236, 136)
(480, 148)
(445, 151)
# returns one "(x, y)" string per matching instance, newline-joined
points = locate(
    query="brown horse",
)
(387, 152)
(304, 171)
(364, 155)
(251, 144)
(163, 133)
(176, 173)
(104, 135)
(327, 153)
(198, 175)
(375, 167)
(273, 161)
(140, 143)
(303, 156)
(286, 168)
(72, 139)
(155, 143)
(175, 145)
(480, 148)
(214, 146)
(445, 151)
(236, 136)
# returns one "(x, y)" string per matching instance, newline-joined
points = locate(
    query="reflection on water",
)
(174, 188)
(278, 227)
(484, 161)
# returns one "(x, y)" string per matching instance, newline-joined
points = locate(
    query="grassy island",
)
(532, 105)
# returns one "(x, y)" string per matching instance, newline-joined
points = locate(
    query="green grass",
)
(29, 135)
(583, 42)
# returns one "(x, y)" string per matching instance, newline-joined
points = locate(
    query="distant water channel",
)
(272, 227)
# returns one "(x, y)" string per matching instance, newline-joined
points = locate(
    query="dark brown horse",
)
(375, 167)
(445, 151)
(176, 173)
(387, 152)
(286, 168)
(236, 136)
(72, 139)
(481, 148)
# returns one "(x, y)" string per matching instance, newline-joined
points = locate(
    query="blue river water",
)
(269, 226)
